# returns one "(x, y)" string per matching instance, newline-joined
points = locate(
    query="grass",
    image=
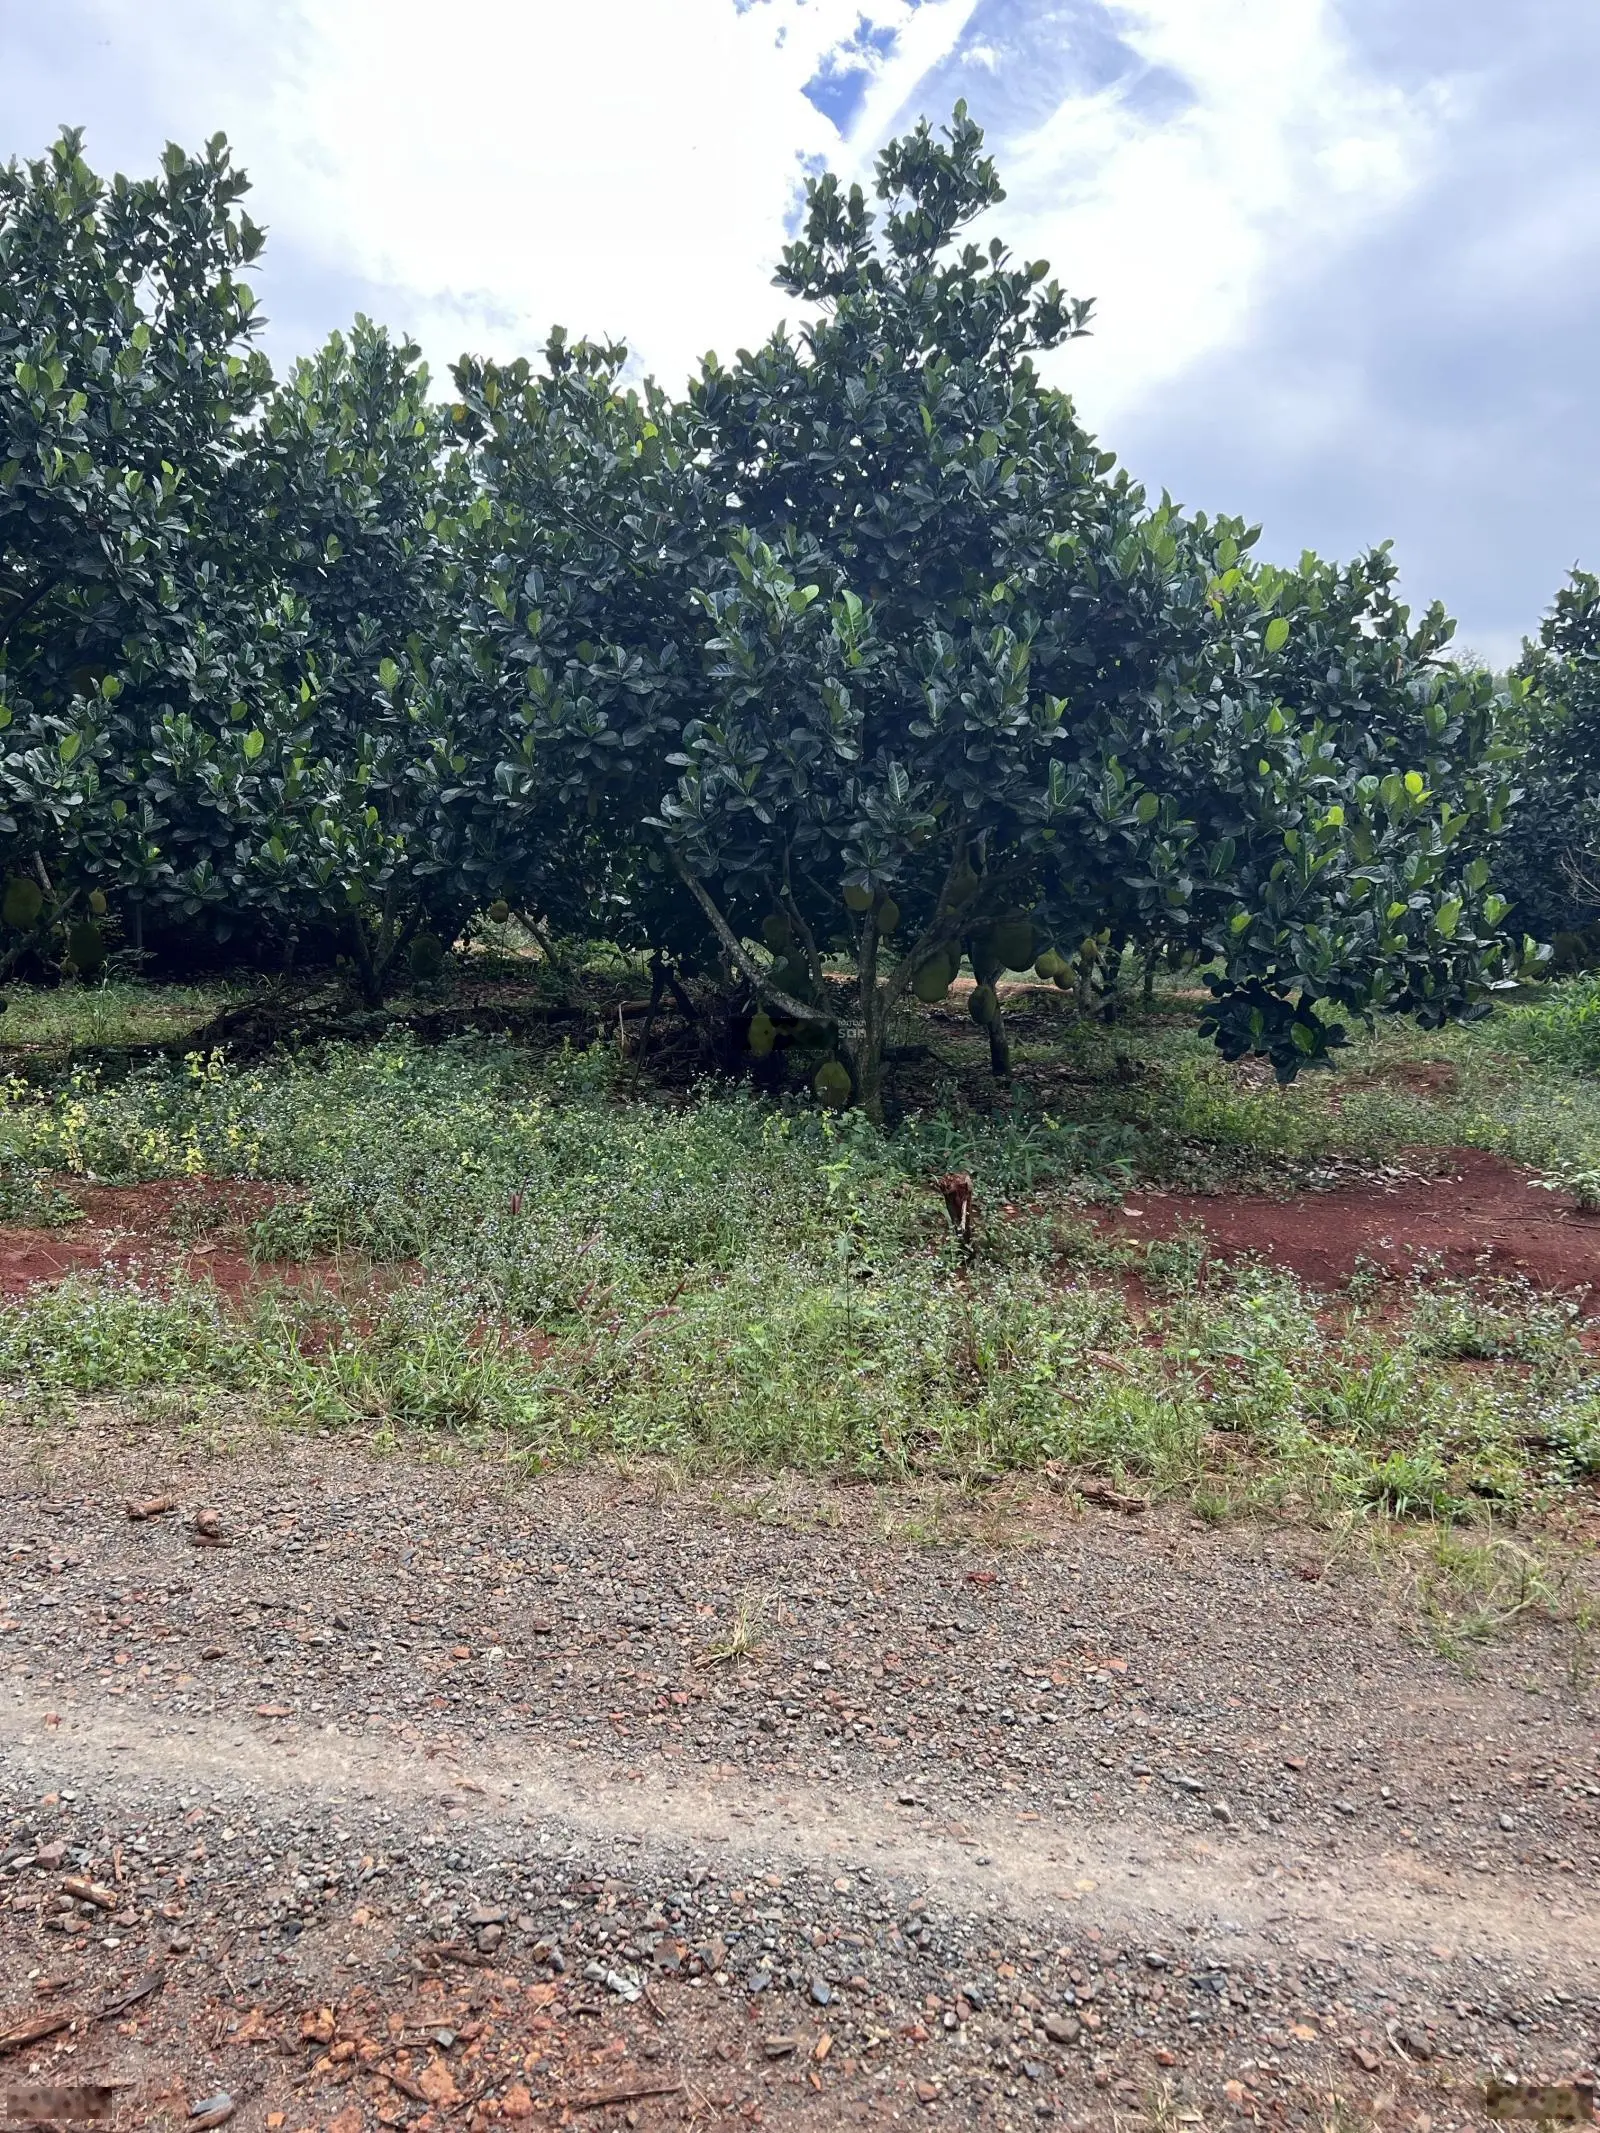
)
(107, 1013)
(743, 1637)
(1563, 1026)
(529, 1252)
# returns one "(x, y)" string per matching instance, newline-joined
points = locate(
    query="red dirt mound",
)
(1480, 1217)
(191, 1226)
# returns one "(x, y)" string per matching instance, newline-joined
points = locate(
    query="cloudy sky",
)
(1346, 252)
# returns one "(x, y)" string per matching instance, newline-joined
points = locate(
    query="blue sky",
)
(1346, 252)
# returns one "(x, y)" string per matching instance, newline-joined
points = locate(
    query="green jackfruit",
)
(963, 885)
(24, 901)
(984, 1006)
(86, 948)
(832, 1084)
(932, 981)
(426, 956)
(888, 916)
(763, 1033)
(1014, 943)
(856, 897)
(499, 911)
(97, 902)
(1049, 965)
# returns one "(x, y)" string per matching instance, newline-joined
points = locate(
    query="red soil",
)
(194, 1226)
(1481, 1217)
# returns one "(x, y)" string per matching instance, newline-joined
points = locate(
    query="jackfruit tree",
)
(124, 363)
(146, 659)
(955, 662)
(859, 662)
(216, 594)
(1549, 863)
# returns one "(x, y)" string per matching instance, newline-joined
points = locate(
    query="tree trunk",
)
(867, 1061)
(374, 957)
(865, 1052)
(658, 986)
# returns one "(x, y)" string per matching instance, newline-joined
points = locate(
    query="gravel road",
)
(427, 1793)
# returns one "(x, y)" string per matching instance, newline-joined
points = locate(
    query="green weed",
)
(34, 1202)
(1410, 1484)
(1506, 1321)
(98, 1335)
(1563, 1027)
(105, 1015)
(722, 1282)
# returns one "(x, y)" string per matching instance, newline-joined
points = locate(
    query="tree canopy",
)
(858, 657)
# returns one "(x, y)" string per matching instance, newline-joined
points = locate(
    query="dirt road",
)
(436, 1795)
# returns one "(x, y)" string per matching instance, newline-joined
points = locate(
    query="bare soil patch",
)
(1479, 1216)
(1438, 1078)
(194, 1228)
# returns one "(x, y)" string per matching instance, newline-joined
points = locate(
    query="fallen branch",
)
(141, 1991)
(83, 1891)
(1111, 1499)
(35, 2032)
(602, 2099)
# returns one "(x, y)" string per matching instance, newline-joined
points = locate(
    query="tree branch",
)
(807, 938)
(741, 955)
(937, 934)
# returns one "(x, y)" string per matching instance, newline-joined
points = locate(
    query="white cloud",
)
(1347, 254)
(928, 36)
(1181, 221)
(627, 167)
(624, 168)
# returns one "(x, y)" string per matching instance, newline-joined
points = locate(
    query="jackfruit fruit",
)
(888, 916)
(932, 981)
(426, 956)
(986, 963)
(23, 902)
(499, 911)
(984, 1006)
(856, 897)
(763, 1033)
(1014, 943)
(832, 1084)
(86, 948)
(794, 979)
(97, 902)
